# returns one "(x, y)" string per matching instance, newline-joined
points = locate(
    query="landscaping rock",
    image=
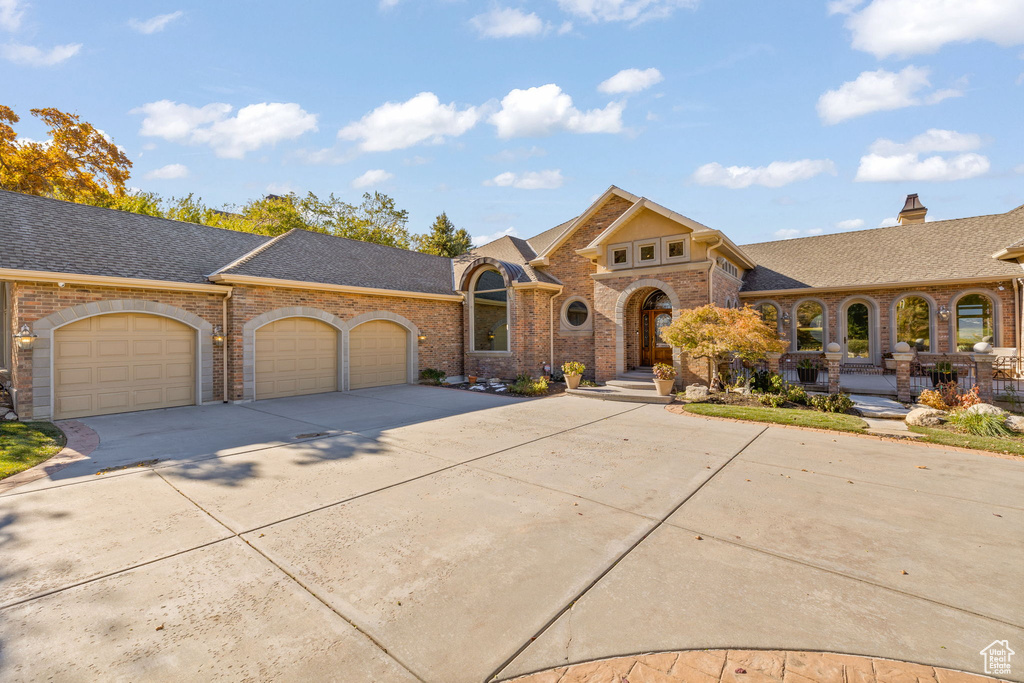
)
(1015, 423)
(925, 417)
(985, 409)
(697, 392)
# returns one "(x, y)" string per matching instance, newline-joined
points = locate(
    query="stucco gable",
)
(613, 198)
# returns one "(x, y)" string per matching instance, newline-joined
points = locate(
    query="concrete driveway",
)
(415, 533)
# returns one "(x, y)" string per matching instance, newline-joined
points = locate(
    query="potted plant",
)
(890, 362)
(664, 378)
(472, 379)
(573, 371)
(807, 371)
(942, 373)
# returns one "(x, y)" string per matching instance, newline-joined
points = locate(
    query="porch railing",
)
(928, 370)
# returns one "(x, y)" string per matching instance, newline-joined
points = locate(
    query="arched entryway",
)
(655, 316)
(642, 310)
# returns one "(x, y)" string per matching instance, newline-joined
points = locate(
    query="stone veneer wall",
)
(440, 321)
(33, 301)
(883, 300)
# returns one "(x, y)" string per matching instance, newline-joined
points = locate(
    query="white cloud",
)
(30, 55)
(841, 226)
(908, 27)
(843, 6)
(635, 11)
(546, 109)
(889, 161)
(787, 233)
(775, 174)
(531, 180)
(388, 4)
(507, 22)
(518, 154)
(254, 126)
(397, 125)
(879, 90)
(168, 172)
(888, 222)
(484, 239)
(154, 24)
(373, 177)
(631, 80)
(10, 15)
(851, 224)
(417, 161)
(281, 189)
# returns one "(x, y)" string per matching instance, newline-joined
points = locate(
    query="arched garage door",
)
(296, 356)
(121, 362)
(378, 355)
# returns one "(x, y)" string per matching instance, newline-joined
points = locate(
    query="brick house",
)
(103, 311)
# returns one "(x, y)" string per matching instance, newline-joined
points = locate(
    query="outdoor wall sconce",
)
(490, 335)
(24, 338)
(422, 338)
(218, 336)
(785, 318)
(943, 313)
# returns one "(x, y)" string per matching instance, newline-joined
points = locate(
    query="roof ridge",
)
(248, 256)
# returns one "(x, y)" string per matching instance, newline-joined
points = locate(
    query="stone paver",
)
(749, 666)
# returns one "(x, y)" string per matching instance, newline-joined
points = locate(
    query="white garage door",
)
(377, 355)
(296, 356)
(120, 362)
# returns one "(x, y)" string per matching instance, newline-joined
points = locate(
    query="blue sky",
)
(762, 119)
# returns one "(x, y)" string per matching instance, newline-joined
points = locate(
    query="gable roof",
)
(50, 235)
(917, 252)
(570, 226)
(305, 256)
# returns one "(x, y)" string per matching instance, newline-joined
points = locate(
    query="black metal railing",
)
(929, 370)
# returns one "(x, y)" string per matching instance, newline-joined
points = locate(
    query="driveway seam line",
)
(835, 572)
(292, 577)
(658, 524)
(421, 476)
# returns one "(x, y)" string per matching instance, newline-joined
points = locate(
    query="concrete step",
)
(622, 382)
(614, 393)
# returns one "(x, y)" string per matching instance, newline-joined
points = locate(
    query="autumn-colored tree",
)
(77, 163)
(443, 239)
(720, 334)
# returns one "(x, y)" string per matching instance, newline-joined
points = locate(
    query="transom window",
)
(490, 312)
(974, 321)
(657, 300)
(810, 327)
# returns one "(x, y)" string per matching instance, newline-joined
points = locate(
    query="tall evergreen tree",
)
(444, 240)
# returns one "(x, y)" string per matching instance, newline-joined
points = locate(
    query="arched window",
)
(913, 323)
(657, 300)
(490, 312)
(974, 321)
(810, 327)
(769, 314)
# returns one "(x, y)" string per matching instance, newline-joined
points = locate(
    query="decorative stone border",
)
(42, 359)
(81, 442)
(760, 666)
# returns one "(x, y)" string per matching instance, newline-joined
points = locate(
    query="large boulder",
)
(925, 417)
(697, 392)
(1015, 423)
(985, 409)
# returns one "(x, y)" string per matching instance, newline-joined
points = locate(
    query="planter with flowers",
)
(664, 378)
(573, 371)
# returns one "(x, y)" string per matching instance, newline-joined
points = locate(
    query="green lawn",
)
(24, 444)
(1013, 445)
(784, 416)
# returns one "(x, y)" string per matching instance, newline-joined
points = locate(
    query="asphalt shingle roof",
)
(938, 250)
(316, 257)
(511, 250)
(37, 233)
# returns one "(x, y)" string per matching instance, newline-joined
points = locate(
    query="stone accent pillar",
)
(833, 357)
(774, 360)
(983, 359)
(903, 375)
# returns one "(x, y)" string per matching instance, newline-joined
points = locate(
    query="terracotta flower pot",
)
(472, 379)
(573, 381)
(664, 386)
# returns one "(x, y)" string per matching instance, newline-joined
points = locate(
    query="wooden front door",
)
(652, 348)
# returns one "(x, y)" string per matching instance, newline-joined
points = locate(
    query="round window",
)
(576, 313)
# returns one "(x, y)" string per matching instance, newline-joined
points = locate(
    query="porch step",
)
(616, 393)
(631, 383)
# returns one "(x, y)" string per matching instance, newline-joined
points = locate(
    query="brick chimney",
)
(913, 211)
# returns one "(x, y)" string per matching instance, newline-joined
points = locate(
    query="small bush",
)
(573, 367)
(588, 383)
(664, 371)
(795, 394)
(979, 424)
(764, 382)
(932, 399)
(432, 376)
(832, 403)
(527, 386)
(771, 400)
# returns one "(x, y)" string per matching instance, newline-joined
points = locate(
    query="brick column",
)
(983, 372)
(903, 375)
(833, 358)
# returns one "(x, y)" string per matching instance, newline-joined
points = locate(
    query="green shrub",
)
(771, 400)
(764, 382)
(832, 403)
(979, 424)
(573, 367)
(796, 394)
(432, 376)
(527, 386)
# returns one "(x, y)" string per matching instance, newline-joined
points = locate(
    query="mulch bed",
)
(554, 389)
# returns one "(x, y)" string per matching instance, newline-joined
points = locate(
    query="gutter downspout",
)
(551, 326)
(1016, 314)
(711, 300)
(224, 349)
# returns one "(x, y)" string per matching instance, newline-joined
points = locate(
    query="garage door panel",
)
(377, 355)
(296, 356)
(121, 362)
